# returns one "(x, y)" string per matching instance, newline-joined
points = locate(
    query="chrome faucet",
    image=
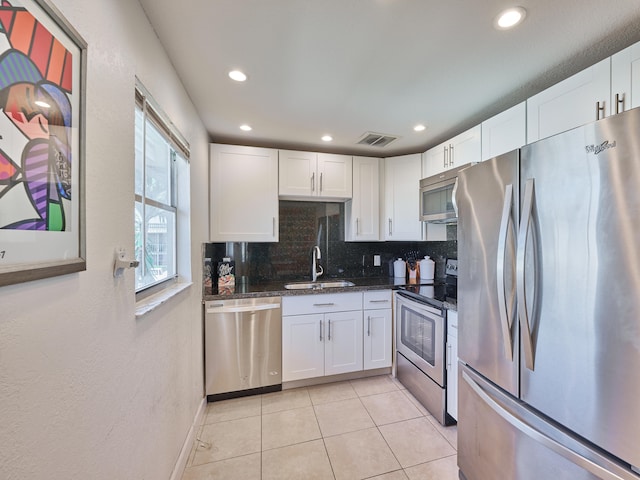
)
(316, 269)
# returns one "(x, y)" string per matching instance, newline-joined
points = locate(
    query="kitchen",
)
(85, 383)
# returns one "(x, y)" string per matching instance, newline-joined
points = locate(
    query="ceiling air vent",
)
(376, 139)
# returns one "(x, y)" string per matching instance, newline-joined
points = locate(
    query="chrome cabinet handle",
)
(329, 334)
(451, 158)
(320, 182)
(378, 301)
(369, 326)
(274, 226)
(445, 163)
(321, 329)
(357, 226)
(599, 108)
(389, 226)
(527, 210)
(313, 182)
(619, 103)
(323, 304)
(449, 356)
(505, 320)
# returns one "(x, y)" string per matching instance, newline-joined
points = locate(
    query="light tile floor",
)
(368, 428)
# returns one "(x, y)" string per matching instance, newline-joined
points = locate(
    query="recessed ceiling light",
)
(510, 18)
(246, 128)
(327, 138)
(419, 128)
(237, 75)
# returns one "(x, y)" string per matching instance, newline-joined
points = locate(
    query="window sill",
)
(154, 301)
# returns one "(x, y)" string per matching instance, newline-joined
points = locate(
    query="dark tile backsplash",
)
(305, 224)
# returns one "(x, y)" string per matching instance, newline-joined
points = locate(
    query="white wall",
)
(86, 390)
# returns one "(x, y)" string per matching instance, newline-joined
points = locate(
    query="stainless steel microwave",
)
(437, 197)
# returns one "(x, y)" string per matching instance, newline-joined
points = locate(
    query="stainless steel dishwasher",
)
(243, 347)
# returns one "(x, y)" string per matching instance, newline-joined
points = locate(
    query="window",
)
(159, 150)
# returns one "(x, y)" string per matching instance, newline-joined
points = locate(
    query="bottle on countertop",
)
(226, 276)
(399, 269)
(427, 268)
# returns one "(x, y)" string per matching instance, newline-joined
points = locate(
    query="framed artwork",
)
(42, 114)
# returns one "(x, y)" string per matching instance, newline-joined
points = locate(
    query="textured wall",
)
(86, 390)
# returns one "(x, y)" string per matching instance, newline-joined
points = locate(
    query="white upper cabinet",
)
(580, 99)
(401, 221)
(314, 176)
(460, 150)
(243, 186)
(362, 213)
(625, 79)
(504, 132)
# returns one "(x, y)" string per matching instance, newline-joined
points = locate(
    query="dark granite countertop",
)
(276, 288)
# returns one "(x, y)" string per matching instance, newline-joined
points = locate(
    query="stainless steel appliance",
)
(420, 317)
(549, 308)
(243, 347)
(437, 196)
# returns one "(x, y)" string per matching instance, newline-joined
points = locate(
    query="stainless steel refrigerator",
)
(549, 308)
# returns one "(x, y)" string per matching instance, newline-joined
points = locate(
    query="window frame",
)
(177, 146)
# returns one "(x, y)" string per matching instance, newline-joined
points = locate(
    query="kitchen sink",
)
(319, 285)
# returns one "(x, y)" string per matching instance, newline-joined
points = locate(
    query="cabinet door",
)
(402, 196)
(243, 194)
(362, 213)
(302, 347)
(504, 132)
(625, 79)
(570, 103)
(343, 342)
(434, 160)
(377, 339)
(465, 148)
(298, 177)
(334, 176)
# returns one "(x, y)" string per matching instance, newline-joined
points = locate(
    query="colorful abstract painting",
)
(39, 132)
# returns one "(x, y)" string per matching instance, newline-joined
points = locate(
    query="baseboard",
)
(183, 458)
(308, 382)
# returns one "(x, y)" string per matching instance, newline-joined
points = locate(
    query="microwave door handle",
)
(505, 321)
(527, 209)
(454, 192)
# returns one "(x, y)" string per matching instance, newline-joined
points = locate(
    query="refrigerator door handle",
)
(505, 320)
(453, 197)
(540, 437)
(523, 315)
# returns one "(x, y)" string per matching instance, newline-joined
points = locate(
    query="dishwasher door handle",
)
(219, 308)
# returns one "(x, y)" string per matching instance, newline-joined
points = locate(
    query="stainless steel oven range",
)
(420, 344)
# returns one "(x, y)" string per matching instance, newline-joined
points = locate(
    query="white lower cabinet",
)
(377, 329)
(343, 342)
(329, 334)
(302, 347)
(321, 335)
(452, 363)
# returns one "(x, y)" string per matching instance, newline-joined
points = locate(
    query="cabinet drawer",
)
(377, 299)
(321, 303)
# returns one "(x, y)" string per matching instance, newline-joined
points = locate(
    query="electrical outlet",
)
(376, 260)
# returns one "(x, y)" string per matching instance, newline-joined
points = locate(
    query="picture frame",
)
(42, 143)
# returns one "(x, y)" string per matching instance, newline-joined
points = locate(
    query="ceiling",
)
(347, 67)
